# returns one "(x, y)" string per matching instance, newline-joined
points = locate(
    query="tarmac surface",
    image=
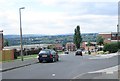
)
(108, 73)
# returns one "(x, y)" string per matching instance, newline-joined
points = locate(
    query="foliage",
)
(89, 44)
(77, 37)
(100, 40)
(51, 47)
(100, 52)
(6, 43)
(112, 47)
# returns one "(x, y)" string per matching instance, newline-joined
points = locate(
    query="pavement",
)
(17, 64)
(108, 73)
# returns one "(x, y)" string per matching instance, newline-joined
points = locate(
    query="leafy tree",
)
(77, 37)
(6, 43)
(64, 42)
(89, 44)
(100, 40)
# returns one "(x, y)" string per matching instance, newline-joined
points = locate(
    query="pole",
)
(21, 34)
(117, 33)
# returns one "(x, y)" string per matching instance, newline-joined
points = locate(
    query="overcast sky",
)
(53, 17)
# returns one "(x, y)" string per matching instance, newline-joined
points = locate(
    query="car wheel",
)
(53, 59)
(40, 61)
(57, 59)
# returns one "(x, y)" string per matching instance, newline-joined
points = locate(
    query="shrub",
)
(107, 52)
(112, 47)
(100, 52)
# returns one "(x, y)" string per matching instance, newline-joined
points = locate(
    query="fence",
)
(6, 55)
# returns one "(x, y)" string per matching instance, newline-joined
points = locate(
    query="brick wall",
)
(6, 55)
(107, 37)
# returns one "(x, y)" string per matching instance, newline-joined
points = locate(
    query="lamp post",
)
(1, 37)
(118, 34)
(21, 33)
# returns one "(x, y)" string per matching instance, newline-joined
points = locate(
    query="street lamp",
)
(21, 33)
(118, 33)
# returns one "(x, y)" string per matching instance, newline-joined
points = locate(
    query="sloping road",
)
(69, 67)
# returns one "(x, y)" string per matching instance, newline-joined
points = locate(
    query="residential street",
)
(69, 67)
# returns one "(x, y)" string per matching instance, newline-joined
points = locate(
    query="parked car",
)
(66, 52)
(48, 55)
(78, 52)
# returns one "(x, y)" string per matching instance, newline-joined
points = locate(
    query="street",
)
(68, 67)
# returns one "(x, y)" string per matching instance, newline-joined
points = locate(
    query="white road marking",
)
(104, 56)
(107, 71)
(53, 75)
(79, 75)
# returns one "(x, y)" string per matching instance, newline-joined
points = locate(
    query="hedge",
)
(112, 47)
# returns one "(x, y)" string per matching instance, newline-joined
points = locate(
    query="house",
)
(110, 37)
(70, 46)
(91, 47)
(58, 46)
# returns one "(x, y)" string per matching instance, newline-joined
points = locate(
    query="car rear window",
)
(44, 52)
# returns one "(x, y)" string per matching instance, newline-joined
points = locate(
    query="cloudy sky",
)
(53, 17)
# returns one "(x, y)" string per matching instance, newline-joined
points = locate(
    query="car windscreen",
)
(44, 52)
(79, 50)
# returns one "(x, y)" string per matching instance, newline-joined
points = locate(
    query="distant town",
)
(14, 40)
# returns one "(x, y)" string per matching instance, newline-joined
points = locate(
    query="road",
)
(69, 67)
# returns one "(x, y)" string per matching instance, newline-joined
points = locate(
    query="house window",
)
(113, 35)
(109, 38)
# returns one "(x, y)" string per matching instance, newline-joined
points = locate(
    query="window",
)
(109, 38)
(113, 35)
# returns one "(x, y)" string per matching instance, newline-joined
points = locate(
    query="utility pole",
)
(21, 33)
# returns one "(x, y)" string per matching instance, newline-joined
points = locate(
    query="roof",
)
(105, 33)
(108, 33)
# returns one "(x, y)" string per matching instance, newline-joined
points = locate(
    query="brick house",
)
(110, 37)
(58, 46)
(91, 47)
(70, 46)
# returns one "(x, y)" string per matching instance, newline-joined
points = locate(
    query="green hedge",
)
(112, 47)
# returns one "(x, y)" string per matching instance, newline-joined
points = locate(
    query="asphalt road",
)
(69, 67)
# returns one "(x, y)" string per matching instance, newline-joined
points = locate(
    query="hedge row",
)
(112, 47)
(26, 52)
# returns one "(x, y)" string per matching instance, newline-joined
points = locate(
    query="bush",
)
(107, 52)
(15, 53)
(100, 52)
(112, 47)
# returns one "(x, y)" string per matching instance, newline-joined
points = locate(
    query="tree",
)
(100, 40)
(77, 37)
(6, 43)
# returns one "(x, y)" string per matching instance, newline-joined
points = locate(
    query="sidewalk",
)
(108, 73)
(16, 64)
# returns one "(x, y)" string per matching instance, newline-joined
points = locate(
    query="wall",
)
(107, 37)
(6, 55)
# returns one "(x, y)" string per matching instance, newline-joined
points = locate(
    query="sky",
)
(52, 17)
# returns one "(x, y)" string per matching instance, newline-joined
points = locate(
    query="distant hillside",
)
(47, 39)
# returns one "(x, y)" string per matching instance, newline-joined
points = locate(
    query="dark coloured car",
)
(66, 52)
(78, 52)
(48, 55)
